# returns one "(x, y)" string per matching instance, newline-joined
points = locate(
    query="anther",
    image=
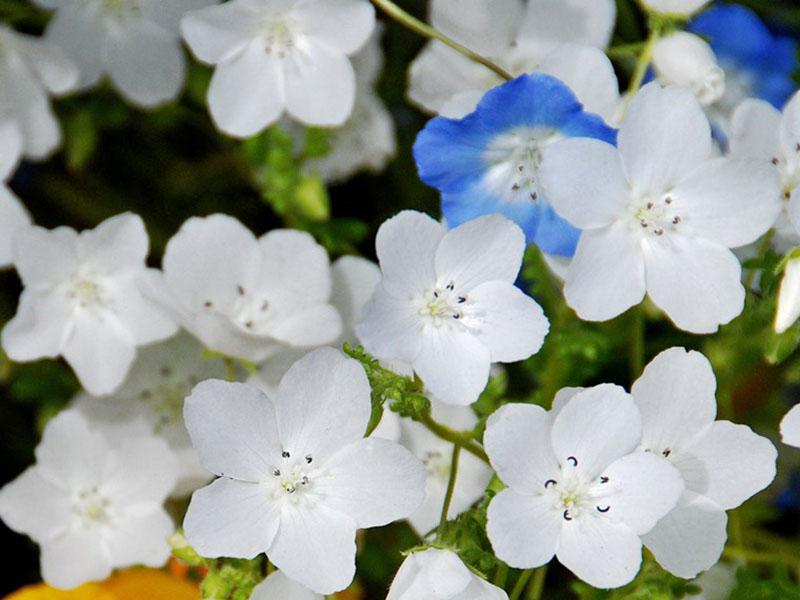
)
(521, 168)
(304, 480)
(649, 205)
(668, 200)
(249, 324)
(265, 305)
(457, 316)
(776, 161)
(572, 460)
(451, 286)
(515, 187)
(550, 482)
(534, 196)
(787, 194)
(658, 231)
(240, 289)
(666, 452)
(461, 299)
(435, 294)
(676, 220)
(797, 148)
(277, 472)
(285, 454)
(567, 516)
(603, 510)
(208, 304)
(604, 479)
(309, 458)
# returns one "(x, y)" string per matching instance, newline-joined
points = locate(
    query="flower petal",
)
(390, 327)
(342, 24)
(279, 586)
(216, 33)
(43, 257)
(34, 505)
(145, 473)
(754, 130)
(140, 539)
(118, 243)
(38, 329)
(790, 427)
(80, 34)
(550, 23)
(355, 280)
(74, 558)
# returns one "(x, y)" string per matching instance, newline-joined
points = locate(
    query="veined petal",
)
(286, 254)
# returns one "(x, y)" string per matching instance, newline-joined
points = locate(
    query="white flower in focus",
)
(151, 400)
(82, 301)
(760, 132)
(13, 216)
(278, 586)
(788, 297)
(247, 297)
(273, 56)
(31, 70)
(685, 59)
(722, 464)
(90, 505)
(442, 575)
(790, 427)
(296, 476)
(447, 304)
(136, 42)
(436, 454)
(577, 487)
(674, 7)
(659, 215)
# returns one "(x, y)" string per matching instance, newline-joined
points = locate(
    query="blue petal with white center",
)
(756, 62)
(488, 161)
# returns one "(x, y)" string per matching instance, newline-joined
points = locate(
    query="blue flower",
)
(488, 161)
(756, 63)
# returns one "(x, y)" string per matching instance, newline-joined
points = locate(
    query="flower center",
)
(514, 159)
(573, 495)
(86, 292)
(437, 464)
(656, 217)
(92, 507)
(293, 477)
(279, 35)
(120, 9)
(165, 399)
(444, 306)
(249, 310)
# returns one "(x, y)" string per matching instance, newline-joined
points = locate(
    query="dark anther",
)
(797, 148)
(435, 294)
(567, 516)
(461, 299)
(265, 305)
(309, 458)
(277, 472)
(603, 510)
(521, 168)
(457, 316)
(249, 324)
(776, 161)
(534, 196)
(604, 479)
(208, 304)
(166, 371)
(676, 220)
(787, 194)
(658, 231)
(668, 200)
(666, 452)
(285, 454)
(451, 286)
(240, 289)
(649, 205)
(550, 482)
(515, 187)
(572, 460)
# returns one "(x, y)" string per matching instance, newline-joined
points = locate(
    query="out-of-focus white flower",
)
(247, 297)
(151, 400)
(685, 59)
(13, 216)
(447, 304)
(279, 587)
(715, 584)
(659, 215)
(30, 71)
(273, 56)
(790, 427)
(788, 296)
(296, 476)
(577, 486)
(92, 506)
(722, 464)
(135, 42)
(674, 7)
(82, 301)
(442, 575)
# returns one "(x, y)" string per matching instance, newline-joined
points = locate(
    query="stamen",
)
(776, 161)
(309, 458)
(534, 196)
(603, 510)
(604, 479)
(666, 452)
(240, 289)
(668, 200)
(277, 472)
(208, 304)
(567, 516)
(461, 299)
(658, 231)
(550, 482)
(572, 460)
(676, 220)
(285, 454)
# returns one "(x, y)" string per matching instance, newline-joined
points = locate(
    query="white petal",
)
(728, 464)
(690, 539)
(169, 14)
(577, 432)
(13, 219)
(685, 59)
(80, 33)
(646, 487)
(607, 274)
(354, 281)
(432, 572)
(438, 73)
(790, 427)
(216, 33)
(390, 327)
(454, 365)
(34, 505)
(145, 472)
(342, 24)
(549, 23)
(790, 129)
(697, 283)
(676, 398)
(373, 481)
(664, 137)
(599, 551)
(10, 150)
(57, 72)
(71, 454)
(323, 404)
(754, 130)
(732, 202)
(313, 326)
(145, 320)
(118, 243)
(486, 26)
(517, 440)
(247, 92)
(38, 328)
(562, 398)
(524, 530)
(320, 86)
(231, 518)
(141, 539)
(278, 586)
(45, 258)
(788, 297)
(316, 547)
(675, 7)
(234, 430)
(406, 245)
(74, 558)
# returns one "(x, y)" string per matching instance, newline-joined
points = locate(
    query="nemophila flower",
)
(244, 296)
(31, 70)
(151, 401)
(473, 474)
(489, 161)
(788, 297)
(13, 216)
(659, 215)
(296, 476)
(520, 38)
(278, 586)
(675, 7)
(756, 62)
(760, 132)
(442, 575)
(82, 301)
(447, 305)
(273, 56)
(135, 42)
(577, 487)
(790, 427)
(722, 464)
(90, 505)
(685, 59)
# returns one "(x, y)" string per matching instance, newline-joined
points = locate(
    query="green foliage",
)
(652, 583)
(753, 585)
(466, 535)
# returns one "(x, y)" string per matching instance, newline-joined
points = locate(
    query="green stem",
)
(645, 58)
(519, 587)
(230, 369)
(636, 349)
(501, 575)
(537, 585)
(754, 556)
(460, 438)
(451, 485)
(417, 26)
(622, 50)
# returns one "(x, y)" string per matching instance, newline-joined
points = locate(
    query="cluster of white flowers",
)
(292, 462)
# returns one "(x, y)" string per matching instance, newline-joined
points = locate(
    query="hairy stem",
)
(520, 585)
(645, 58)
(536, 587)
(451, 485)
(460, 438)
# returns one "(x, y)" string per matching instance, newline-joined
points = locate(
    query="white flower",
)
(440, 574)
(685, 59)
(722, 464)
(447, 304)
(247, 297)
(279, 55)
(135, 42)
(81, 300)
(13, 216)
(548, 35)
(659, 214)
(578, 489)
(297, 478)
(760, 132)
(151, 401)
(436, 454)
(674, 7)
(279, 587)
(716, 584)
(30, 71)
(91, 506)
(790, 427)
(788, 297)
